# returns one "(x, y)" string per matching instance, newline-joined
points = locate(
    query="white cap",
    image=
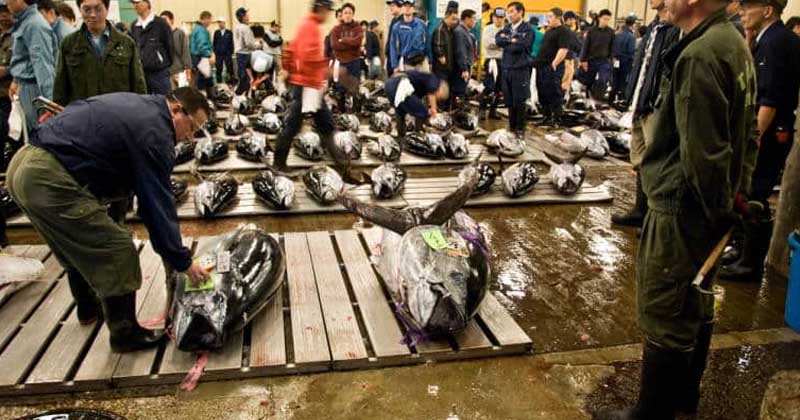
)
(220, 19)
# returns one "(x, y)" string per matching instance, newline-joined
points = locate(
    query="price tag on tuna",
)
(223, 262)
(208, 284)
(435, 239)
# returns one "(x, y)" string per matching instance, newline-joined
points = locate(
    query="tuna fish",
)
(519, 179)
(348, 143)
(277, 191)
(309, 146)
(201, 318)
(567, 175)
(259, 95)
(179, 189)
(268, 123)
(456, 146)
(274, 105)
(426, 145)
(348, 122)
(211, 150)
(184, 151)
(210, 127)
(504, 143)
(385, 148)
(435, 261)
(323, 184)
(568, 143)
(252, 147)
(380, 122)
(465, 120)
(222, 94)
(486, 179)
(619, 143)
(377, 104)
(215, 194)
(388, 180)
(475, 88)
(596, 144)
(242, 105)
(236, 124)
(441, 121)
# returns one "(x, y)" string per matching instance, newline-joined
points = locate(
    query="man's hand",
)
(12, 90)
(513, 40)
(283, 74)
(443, 60)
(585, 65)
(196, 274)
(554, 65)
(212, 59)
(465, 75)
(434, 112)
(188, 73)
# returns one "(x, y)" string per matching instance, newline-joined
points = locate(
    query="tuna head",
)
(210, 150)
(619, 143)
(456, 146)
(236, 124)
(222, 94)
(503, 142)
(215, 194)
(201, 319)
(309, 146)
(567, 177)
(274, 105)
(388, 180)
(348, 122)
(380, 122)
(323, 184)
(268, 123)
(210, 127)
(596, 145)
(347, 142)
(487, 177)
(377, 104)
(184, 151)
(276, 191)
(427, 145)
(519, 179)
(242, 105)
(252, 147)
(385, 148)
(466, 120)
(441, 121)
(179, 189)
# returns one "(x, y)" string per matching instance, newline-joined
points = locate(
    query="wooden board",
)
(338, 317)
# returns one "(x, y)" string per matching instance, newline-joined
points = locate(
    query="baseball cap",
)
(324, 3)
(396, 2)
(241, 12)
(220, 19)
(778, 3)
(570, 15)
(140, 1)
(630, 20)
(499, 12)
(411, 2)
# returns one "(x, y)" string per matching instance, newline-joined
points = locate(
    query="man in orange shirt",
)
(307, 68)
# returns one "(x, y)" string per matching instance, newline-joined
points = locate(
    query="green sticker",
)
(435, 239)
(208, 284)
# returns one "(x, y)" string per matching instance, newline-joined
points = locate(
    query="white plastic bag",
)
(183, 81)
(16, 273)
(204, 67)
(16, 120)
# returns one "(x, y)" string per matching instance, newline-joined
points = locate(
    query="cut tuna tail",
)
(189, 382)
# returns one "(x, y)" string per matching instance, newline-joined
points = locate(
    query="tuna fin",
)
(441, 211)
(398, 221)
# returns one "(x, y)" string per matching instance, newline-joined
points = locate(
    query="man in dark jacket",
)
(153, 36)
(622, 58)
(101, 148)
(596, 56)
(346, 40)
(223, 50)
(463, 55)
(549, 65)
(515, 40)
(442, 44)
(372, 48)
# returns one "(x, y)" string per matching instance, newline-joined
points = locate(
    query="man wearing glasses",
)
(97, 59)
(98, 149)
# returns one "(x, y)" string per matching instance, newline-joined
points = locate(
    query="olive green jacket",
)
(703, 147)
(81, 74)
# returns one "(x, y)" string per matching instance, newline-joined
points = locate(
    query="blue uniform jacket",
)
(516, 45)
(223, 44)
(118, 143)
(777, 59)
(409, 39)
(624, 46)
(464, 49)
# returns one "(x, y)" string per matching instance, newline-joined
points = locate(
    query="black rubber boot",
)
(689, 401)
(493, 115)
(733, 250)
(87, 305)
(662, 373)
(3, 237)
(282, 147)
(402, 129)
(126, 333)
(635, 217)
(754, 246)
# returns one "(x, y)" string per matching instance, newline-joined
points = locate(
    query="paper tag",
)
(435, 239)
(616, 63)
(223, 262)
(208, 284)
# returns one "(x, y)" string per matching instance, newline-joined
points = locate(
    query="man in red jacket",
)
(307, 69)
(346, 41)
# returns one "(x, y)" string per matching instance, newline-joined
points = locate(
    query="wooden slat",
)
(380, 322)
(63, 353)
(25, 300)
(472, 338)
(100, 362)
(229, 357)
(497, 319)
(139, 364)
(341, 324)
(308, 328)
(267, 342)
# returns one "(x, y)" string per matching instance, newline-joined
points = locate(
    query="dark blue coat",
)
(624, 46)
(464, 49)
(516, 55)
(777, 59)
(121, 143)
(223, 44)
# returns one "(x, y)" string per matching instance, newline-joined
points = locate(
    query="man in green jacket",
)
(97, 59)
(200, 48)
(690, 172)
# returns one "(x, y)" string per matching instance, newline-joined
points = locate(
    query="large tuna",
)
(456, 146)
(274, 105)
(380, 122)
(519, 179)
(252, 147)
(309, 146)
(236, 124)
(323, 184)
(567, 175)
(385, 148)
(184, 151)
(210, 150)
(505, 143)
(426, 145)
(347, 142)
(388, 180)
(277, 191)
(215, 194)
(486, 179)
(268, 123)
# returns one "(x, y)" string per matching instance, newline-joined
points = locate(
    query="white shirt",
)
(146, 21)
(490, 48)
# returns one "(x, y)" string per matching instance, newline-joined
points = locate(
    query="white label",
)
(616, 63)
(223, 262)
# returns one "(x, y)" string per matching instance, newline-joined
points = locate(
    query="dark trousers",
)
(5, 111)
(598, 76)
(225, 62)
(517, 90)
(620, 78)
(242, 63)
(548, 84)
(201, 82)
(353, 69)
(158, 82)
(771, 159)
(323, 121)
(492, 88)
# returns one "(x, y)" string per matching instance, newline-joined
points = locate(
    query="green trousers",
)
(74, 223)
(673, 247)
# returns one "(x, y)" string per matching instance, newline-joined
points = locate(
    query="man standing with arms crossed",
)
(346, 39)
(515, 40)
(699, 156)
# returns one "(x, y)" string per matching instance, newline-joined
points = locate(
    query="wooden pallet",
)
(331, 313)
(541, 144)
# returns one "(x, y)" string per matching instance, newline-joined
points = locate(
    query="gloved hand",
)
(722, 220)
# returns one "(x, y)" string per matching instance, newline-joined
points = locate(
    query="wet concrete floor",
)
(566, 276)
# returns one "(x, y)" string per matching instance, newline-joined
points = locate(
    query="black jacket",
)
(223, 44)
(372, 45)
(120, 143)
(155, 44)
(442, 46)
(598, 44)
(464, 51)
(666, 36)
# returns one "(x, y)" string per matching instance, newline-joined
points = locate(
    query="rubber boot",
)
(689, 401)
(635, 217)
(402, 129)
(493, 115)
(126, 335)
(662, 373)
(282, 147)
(754, 246)
(87, 305)
(522, 122)
(734, 248)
